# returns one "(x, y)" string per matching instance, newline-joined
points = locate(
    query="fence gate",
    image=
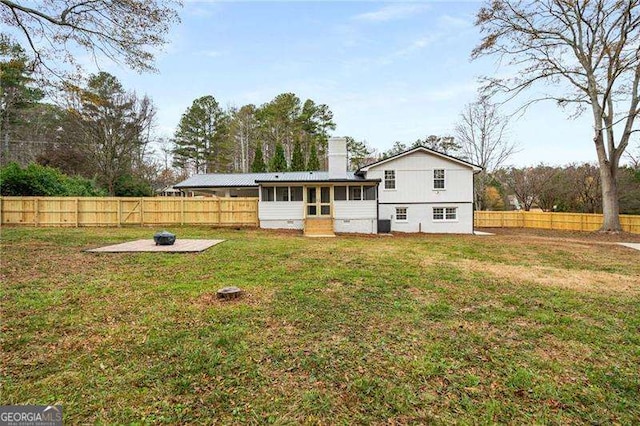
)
(131, 211)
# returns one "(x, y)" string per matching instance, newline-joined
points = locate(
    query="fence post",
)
(77, 212)
(256, 206)
(181, 210)
(141, 211)
(36, 212)
(219, 211)
(119, 213)
(551, 221)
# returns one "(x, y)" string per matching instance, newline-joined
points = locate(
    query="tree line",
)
(573, 187)
(280, 135)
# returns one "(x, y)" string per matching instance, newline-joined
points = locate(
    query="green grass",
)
(415, 329)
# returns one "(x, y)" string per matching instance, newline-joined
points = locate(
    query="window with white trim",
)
(445, 214)
(389, 179)
(340, 193)
(268, 193)
(438, 179)
(355, 193)
(281, 193)
(401, 214)
(296, 193)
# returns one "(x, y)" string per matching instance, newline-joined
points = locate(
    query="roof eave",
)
(260, 182)
(214, 186)
(365, 169)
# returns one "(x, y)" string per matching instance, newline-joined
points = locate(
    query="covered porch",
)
(319, 209)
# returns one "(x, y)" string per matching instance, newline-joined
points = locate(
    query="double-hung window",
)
(438, 179)
(445, 213)
(401, 214)
(389, 179)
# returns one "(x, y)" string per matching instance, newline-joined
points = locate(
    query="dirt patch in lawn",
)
(579, 236)
(579, 280)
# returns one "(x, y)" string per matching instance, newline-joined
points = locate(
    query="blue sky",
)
(388, 71)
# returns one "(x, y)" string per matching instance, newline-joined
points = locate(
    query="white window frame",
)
(390, 180)
(445, 211)
(288, 194)
(406, 214)
(443, 179)
(349, 193)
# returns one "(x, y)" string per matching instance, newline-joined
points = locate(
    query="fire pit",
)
(164, 238)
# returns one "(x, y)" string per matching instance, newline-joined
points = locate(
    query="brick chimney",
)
(337, 158)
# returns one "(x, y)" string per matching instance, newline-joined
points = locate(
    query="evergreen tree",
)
(314, 162)
(258, 165)
(201, 139)
(278, 162)
(297, 158)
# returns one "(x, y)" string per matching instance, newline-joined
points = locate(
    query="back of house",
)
(422, 190)
(419, 190)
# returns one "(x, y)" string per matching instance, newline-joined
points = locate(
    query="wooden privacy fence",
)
(112, 211)
(547, 220)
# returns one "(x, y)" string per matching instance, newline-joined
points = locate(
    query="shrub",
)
(37, 180)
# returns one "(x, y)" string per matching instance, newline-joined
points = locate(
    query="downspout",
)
(377, 208)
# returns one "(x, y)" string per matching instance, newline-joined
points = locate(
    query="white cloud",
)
(418, 44)
(454, 22)
(392, 12)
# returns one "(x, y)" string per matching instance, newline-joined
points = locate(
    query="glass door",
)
(318, 201)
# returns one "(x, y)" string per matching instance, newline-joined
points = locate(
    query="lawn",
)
(513, 328)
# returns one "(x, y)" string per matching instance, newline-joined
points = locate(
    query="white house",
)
(419, 190)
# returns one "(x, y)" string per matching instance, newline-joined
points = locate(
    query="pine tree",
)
(314, 163)
(258, 165)
(201, 139)
(278, 162)
(297, 158)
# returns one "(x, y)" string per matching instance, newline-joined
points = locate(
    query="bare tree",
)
(634, 158)
(527, 183)
(124, 31)
(590, 47)
(113, 126)
(482, 134)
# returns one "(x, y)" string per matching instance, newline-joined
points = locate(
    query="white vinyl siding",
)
(414, 180)
(420, 218)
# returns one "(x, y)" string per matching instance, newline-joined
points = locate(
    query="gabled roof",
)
(421, 148)
(252, 180)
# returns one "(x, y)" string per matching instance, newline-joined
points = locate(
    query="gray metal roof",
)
(237, 180)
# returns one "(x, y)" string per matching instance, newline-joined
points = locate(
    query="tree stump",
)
(227, 293)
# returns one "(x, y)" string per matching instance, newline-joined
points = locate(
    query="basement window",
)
(444, 214)
(401, 214)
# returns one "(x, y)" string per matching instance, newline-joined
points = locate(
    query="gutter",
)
(265, 182)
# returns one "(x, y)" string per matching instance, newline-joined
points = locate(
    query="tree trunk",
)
(608, 171)
(610, 206)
